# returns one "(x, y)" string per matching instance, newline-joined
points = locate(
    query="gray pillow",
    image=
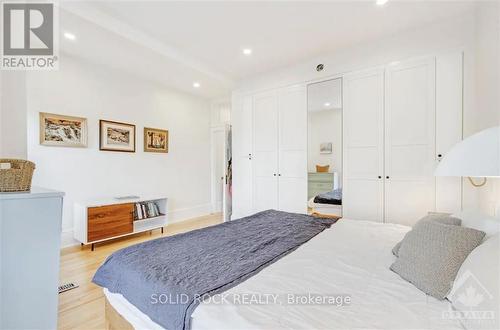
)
(431, 254)
(441, 218)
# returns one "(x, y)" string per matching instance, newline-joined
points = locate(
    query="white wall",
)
(476, 34)
(454, 33)
(13, 115)
(324, 126)
(95, 92)
(220, 112)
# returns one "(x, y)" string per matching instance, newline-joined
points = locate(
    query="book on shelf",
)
(145, 210)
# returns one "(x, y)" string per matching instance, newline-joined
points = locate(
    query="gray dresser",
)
(30, 235)
(318, 183)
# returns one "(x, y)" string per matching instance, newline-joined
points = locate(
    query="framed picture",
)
(63, 131)
(114, 136)
(155, 140)
(326, 148)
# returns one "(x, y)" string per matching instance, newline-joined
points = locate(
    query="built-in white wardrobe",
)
(399, 120)
(270, 160)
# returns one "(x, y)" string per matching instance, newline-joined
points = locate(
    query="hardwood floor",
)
(83, 307)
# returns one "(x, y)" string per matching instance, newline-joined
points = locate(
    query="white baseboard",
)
(174, 216)
(67, 238)
(179, 215)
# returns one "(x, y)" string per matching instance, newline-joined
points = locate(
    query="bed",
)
(325, 209)
(350, 260)
(328, 203)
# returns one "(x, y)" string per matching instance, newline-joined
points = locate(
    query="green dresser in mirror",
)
(319, 183)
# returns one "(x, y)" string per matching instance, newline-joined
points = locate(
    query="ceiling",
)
(177, 43)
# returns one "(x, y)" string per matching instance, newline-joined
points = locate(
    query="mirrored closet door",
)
(324, 155)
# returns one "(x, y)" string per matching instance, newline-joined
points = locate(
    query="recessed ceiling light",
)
(327, 104)
(381, 2)
(247, 51)
(69, 36)
(196, 84)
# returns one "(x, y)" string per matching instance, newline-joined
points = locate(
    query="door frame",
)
(213, 182)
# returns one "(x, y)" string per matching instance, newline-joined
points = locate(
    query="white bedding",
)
(351, 258)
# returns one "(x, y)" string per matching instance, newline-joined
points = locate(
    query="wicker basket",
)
(18, 177)
(322, 169)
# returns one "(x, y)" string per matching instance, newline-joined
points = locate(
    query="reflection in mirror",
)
(324, 155)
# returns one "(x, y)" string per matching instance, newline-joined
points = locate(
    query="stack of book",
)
(144, 210)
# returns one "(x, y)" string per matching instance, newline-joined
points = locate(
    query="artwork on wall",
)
(155, 140)
(64, 131)
(326, 148)
(114, 136)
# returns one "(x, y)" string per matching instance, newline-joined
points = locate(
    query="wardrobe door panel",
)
(265, 194)
(364, 200)
(265, 151)
(265, 118)
(292, 164)
(363, 145)
(293, 149)
(241, 119)
(293, 195)
(410, 141)
(449, 84)
(293, 118)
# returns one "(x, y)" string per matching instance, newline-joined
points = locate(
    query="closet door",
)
(242, 131)
(292, 104)
(410, 141)
(449, 86)
(363, 145)
(265, 151)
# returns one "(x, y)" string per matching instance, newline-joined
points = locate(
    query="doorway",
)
(218, 167)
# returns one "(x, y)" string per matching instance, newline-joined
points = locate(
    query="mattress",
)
(351, 259)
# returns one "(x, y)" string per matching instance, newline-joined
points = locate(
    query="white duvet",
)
(351, 259)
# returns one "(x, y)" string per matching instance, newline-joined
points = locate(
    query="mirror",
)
(324, 153)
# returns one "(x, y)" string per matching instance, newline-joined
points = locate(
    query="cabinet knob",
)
(279, 174)
(387, 177)
(274, 174)
(380, 177)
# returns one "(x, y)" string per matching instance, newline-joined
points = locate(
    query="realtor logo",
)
(469, 291)
(28, 38)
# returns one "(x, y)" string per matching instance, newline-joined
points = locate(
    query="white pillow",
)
(476, 287)
(476, 220)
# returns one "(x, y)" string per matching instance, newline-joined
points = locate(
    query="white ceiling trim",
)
(124, 30)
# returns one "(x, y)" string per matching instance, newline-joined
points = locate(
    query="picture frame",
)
(326, 148)
(116, 136)
(155, 140)
(62, 131)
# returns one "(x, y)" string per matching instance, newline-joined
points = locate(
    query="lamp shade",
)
(476, 156)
